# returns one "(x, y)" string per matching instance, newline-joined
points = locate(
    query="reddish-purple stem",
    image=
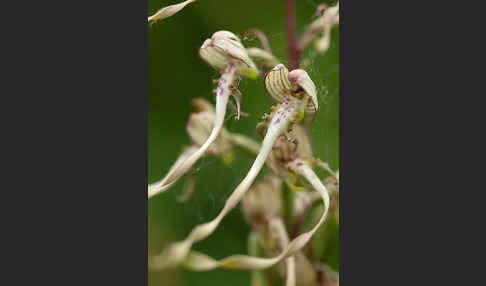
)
(293, 47)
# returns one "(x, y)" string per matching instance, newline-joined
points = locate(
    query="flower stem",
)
(293, 48)
(288, 198)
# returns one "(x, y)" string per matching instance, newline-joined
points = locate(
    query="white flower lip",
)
(280, 83)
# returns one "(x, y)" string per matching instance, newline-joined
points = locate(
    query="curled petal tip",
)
(302, 79)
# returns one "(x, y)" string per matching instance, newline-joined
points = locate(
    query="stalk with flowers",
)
(276, 240)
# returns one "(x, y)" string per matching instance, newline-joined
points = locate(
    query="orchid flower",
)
(225, 53)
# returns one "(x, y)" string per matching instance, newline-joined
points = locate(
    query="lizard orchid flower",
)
(287, 210)
(224, 52)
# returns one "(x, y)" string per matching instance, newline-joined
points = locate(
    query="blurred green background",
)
(176, 75)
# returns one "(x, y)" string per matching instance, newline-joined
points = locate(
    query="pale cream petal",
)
(169, 11)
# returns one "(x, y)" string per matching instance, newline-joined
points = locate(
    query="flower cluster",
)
(276, 206)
